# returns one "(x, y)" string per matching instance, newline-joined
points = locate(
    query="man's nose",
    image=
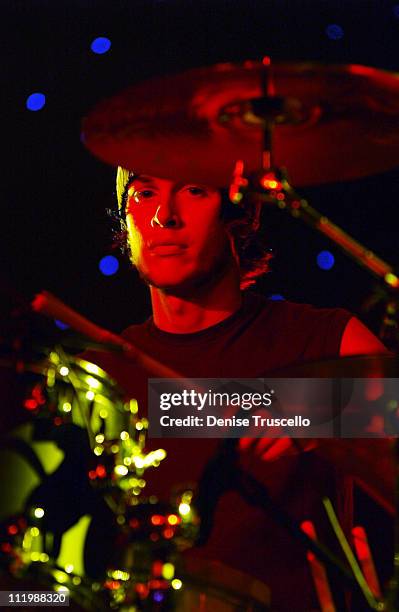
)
(166, 214)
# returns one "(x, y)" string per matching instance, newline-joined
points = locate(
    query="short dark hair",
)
(249, 241)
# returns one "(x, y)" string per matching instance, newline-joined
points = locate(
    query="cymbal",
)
(337, 122)
(357, 366)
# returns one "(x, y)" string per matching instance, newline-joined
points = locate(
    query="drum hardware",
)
(271, 186)
(77, 395)
(72, 394)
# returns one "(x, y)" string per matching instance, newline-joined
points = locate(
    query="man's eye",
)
(143, 194)
(196, 191)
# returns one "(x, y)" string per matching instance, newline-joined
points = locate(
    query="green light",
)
(38, 512)
(119, 575)
(121, 470)
(133, 406)
(93, 382)
(184, 509)
(392, 405)
(54, 358)
(92, 368)
(168, 571)
(392, 279)
(60, 576)
(50, 377)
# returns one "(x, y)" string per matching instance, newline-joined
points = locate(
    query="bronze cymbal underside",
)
(345, 123)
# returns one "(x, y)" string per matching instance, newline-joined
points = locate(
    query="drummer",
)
(198, 254)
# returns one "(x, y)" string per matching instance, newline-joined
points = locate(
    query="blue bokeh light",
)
(325, 260)
(276, 297)
(395, 10)
(108, 265)
(35, 101)
(61, 324)
(334, 31)
(158, 596)
(100, 45)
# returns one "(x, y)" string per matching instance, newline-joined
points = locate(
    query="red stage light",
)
(157, 568)
(168, 533)
(269, 181)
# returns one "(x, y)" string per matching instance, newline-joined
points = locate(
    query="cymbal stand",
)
(271, 186)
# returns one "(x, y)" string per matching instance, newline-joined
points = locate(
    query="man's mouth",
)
(165, 249)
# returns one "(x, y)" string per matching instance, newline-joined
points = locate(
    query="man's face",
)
(176, 236)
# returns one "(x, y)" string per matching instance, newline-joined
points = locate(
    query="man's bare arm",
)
(358, 340)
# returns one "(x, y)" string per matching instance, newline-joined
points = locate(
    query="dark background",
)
(54, 193)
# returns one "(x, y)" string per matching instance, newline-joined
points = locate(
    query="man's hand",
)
(272, 461)
(271, 449)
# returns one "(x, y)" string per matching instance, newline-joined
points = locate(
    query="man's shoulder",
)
(298, 312)
(300, 331)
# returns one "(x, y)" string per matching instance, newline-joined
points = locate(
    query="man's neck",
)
(199, 309)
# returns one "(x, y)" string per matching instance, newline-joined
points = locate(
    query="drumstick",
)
(47, 304)
(319, 573)
(350, 557)
(364, 555)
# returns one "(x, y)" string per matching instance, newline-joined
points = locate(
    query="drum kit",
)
(256, 129)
